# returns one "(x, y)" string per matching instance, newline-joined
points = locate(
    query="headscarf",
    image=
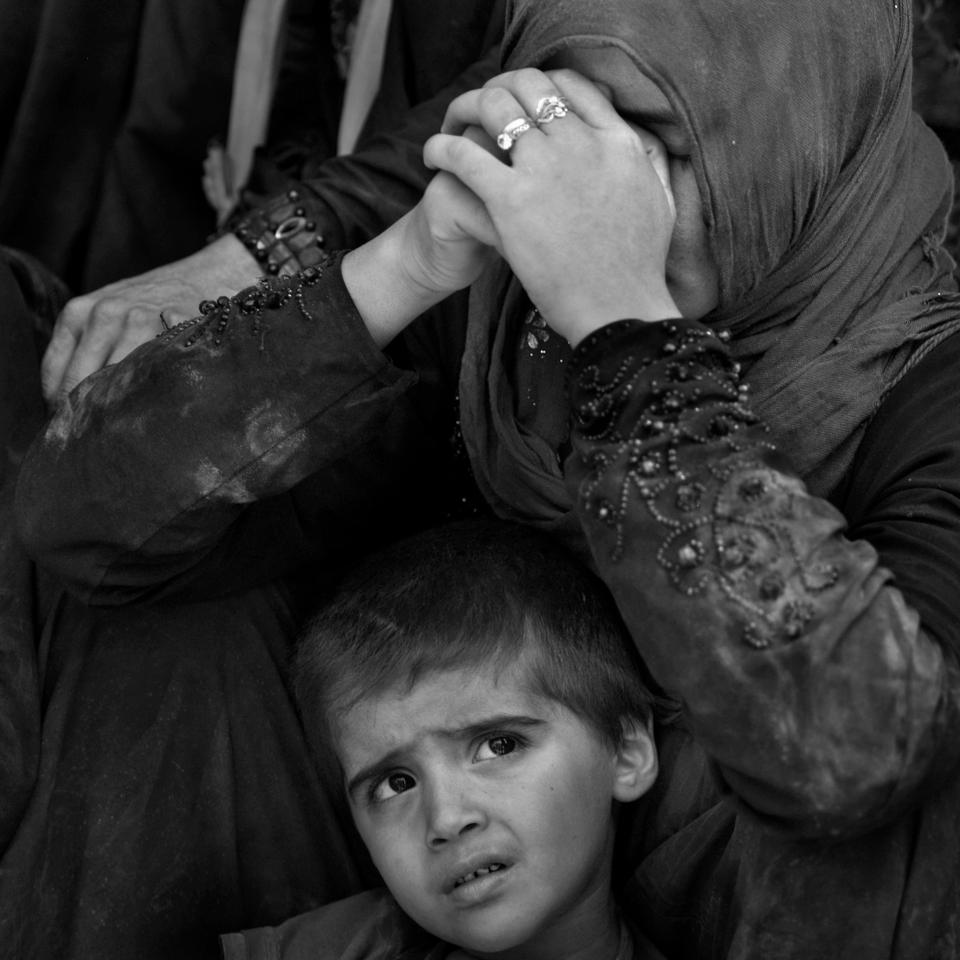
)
(825, 199)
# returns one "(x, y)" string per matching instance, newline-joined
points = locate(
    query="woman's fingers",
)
(470, 162)
(660, 161)
(490, 109)
(529, 93)
(588, 101)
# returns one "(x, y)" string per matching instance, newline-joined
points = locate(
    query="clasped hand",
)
(580, 206)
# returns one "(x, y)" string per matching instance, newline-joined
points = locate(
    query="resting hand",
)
(582, 213)
(102, 327)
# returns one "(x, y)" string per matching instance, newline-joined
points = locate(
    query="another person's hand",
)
(583, 211)
(442, 245)
(102, 327)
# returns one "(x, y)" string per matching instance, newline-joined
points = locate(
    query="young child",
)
(489, 715)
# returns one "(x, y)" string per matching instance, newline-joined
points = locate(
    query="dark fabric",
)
(105, 113)
(517, 470)
(936, 88)
(369, 926)
(831, 269)
(704, 884)
(903, 490)
(87, 460)
(819, 822)
(431, 56)
(212, 528)
(176, 797)
(21, 414)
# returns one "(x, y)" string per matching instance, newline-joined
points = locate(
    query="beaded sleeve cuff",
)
(284, 235)
(222, 317)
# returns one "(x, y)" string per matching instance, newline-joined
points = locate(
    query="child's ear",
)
(636, 760)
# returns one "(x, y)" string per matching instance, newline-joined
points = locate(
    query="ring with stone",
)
(550, 108)
(513, 131)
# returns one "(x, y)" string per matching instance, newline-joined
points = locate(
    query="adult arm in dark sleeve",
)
(268, 432)
(804, 669)
(330, 205)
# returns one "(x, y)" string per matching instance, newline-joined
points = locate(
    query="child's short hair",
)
(465, 594)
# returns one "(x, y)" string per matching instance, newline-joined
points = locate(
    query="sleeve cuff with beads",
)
(152, 459)
(287, 234)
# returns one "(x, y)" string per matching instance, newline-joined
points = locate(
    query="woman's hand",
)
(103, 326)
(583, 213)
(442, 245)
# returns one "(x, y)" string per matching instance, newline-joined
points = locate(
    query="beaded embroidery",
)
(283, 235)
(536, 333)
(726, 518)
(220, 317)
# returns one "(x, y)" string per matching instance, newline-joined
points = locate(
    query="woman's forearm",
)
(149, 461)
(803, 672)
(385, 293)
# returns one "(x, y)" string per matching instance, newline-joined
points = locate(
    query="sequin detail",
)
(245, 312)
(670, 432)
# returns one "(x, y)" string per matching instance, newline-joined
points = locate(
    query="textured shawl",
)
(825, 199)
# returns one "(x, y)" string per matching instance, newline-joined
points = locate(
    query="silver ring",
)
(513, 131)
(551, 108)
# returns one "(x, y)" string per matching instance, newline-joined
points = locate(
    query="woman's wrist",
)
(576, 324)
(386, 295)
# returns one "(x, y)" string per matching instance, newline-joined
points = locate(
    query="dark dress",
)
(368, 926)
(814, 815)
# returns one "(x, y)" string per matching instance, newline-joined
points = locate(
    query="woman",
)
(708, 467)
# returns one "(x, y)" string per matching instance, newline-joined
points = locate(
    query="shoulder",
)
(368, 926)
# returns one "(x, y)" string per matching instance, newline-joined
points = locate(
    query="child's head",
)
(487, 710)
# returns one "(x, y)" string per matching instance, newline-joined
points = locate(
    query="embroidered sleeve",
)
(802, 670)
(150, 463)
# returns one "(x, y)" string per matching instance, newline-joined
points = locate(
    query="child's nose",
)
(451, 813)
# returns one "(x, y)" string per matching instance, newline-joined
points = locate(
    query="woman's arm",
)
(804, 671)
(341, 203)
(272, 419)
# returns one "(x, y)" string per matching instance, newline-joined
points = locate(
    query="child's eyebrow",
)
(477, 728)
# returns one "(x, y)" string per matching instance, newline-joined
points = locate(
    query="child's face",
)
(488, 810)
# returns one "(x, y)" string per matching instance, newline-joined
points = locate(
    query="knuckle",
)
(109, 310)
(528, 75)
(138, 316)
(499, 80)
(74, 310)
(494, 99)
(563, 75)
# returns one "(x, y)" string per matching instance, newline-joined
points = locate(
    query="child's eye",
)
(391, 785)
(498, 746)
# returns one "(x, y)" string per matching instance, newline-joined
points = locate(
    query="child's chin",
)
(490, 946)
(490, 942)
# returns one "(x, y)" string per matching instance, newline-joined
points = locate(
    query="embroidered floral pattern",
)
(671, 432)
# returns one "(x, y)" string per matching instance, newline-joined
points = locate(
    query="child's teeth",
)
(479, 872)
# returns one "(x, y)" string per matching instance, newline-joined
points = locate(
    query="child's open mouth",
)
(476, 874)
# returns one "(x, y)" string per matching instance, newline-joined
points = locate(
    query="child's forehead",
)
(442, 703)
(477, 688)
